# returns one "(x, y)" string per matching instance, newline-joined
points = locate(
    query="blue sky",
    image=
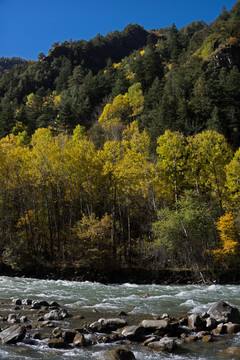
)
(28, 27)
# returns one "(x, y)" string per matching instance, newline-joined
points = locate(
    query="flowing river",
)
(95, 300)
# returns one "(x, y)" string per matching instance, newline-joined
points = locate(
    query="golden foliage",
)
(229, 240)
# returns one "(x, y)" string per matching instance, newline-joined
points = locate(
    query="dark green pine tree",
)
(174, 43)
(233, 106)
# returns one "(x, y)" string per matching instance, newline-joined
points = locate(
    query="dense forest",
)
(124, 150)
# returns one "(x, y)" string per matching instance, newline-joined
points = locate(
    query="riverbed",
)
(92, 301)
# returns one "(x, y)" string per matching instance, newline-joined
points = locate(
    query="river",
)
(95, 300)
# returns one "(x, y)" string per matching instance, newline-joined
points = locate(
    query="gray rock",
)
(165, 344)
(54, 303)
(121, 354)
(233, 328)
(57, 344)
(134, 333)
(57, 314)
(68, 336)
(13, 334)
(232, 352)
(23, 319)
(79, 340)
(26, 302)
(152, 325)
(35, 305)
(106, 325)
(211, 323)
(43, 303)
(220, 329)
(223, 312)
(57, 332)
(12, 319)
(17, 302)
(196, 323)
(149, 340)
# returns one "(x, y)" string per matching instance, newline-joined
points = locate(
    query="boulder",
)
(150, 339)
(57, 344)
(165, 344)
(43, 303)
(26, 302)
(232, 352)
(152, 325)
(23, 319)
(13, 334)
(196, 323)
(134, 332)
(68, 336)
(220, 329)
(57, 314)
(223, 312)
(17, 302)
(35, 305)
(232, 328)
(211, 323)
(121, 354)
(54, 304)
(79, 340)
(106, 325)
(207, 338)
(57, 332)
(12, 319)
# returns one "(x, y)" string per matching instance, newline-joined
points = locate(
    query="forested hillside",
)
(124, 149)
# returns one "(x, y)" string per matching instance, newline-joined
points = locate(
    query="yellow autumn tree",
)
(94, 237)
(171, 165)
(233, 180)
(123, 109)
(229, 249)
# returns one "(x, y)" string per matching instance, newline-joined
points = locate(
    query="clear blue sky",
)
(28, 27)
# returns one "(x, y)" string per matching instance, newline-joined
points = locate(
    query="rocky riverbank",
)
(120, 275)
(31, 322)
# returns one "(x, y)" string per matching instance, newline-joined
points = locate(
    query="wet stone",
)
(57, 344)
(79, 340)
(13, 334)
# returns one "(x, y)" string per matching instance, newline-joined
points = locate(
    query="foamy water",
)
(139, 301)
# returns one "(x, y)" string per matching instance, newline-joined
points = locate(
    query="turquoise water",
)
(139, 301)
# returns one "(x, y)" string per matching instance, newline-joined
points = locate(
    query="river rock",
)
(106, 325)
(79, 340)
(220, 329)
(26, 302)
(35, 305)
(134, 333)
(232, 352)
(57, 314)
(211, 323)
(223, 312)
(152, 325)
(165, 344)
(57, 332)
(207, 338)
(196, 323)
(232, 328)
(68, 336)
(13, 334)
(17, 302)
(23, 319)
(120, 354)
(43, 303)
(57, 344)
(12, 319)
(54, 304)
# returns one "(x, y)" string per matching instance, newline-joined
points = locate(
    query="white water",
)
(139, 301)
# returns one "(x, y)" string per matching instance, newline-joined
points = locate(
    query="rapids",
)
(95, 300)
